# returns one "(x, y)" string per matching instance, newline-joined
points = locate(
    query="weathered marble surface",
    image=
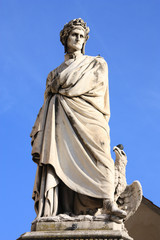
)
(70, 138)
(127, 197)
(79, 235)
(77, 230)
(71, 144)
(87, 224)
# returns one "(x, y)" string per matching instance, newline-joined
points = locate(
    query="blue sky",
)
(126, 33)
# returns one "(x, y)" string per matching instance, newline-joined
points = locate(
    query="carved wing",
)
(131, 198)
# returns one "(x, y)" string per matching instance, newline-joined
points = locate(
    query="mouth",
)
(77, 44)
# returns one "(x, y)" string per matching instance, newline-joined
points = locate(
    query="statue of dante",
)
(70, 138)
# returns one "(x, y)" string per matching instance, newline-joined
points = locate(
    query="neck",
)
(73, 55)
(73, 52)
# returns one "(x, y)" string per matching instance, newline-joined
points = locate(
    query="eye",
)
(73, 34)
(81, 36)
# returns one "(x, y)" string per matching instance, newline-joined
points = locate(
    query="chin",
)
(77, 47)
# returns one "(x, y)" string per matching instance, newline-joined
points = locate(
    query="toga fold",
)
(70, 138)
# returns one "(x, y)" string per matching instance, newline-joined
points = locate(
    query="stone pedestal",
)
(88, 230)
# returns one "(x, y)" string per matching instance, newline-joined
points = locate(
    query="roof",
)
(151, 205)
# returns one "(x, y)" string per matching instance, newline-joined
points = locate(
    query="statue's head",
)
(76, 25)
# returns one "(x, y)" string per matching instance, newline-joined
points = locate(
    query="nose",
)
(78, 37)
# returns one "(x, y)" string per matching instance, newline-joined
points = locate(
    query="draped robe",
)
(70, 138)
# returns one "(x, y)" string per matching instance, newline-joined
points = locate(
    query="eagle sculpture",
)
(127, 197)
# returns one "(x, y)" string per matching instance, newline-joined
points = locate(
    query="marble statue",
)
(76, 175)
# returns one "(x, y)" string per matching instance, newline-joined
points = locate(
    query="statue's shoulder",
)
(53, 73)
(98, 59)
(101, 60)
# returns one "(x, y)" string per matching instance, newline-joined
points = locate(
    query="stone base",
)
(76, 225)
(69, 230)
(78, 235)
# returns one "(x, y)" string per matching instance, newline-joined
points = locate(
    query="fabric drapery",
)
(71, 133)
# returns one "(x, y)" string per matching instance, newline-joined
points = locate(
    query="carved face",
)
(75, 40)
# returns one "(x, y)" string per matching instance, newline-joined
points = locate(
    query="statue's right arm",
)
(48, 84)
(36, 126)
